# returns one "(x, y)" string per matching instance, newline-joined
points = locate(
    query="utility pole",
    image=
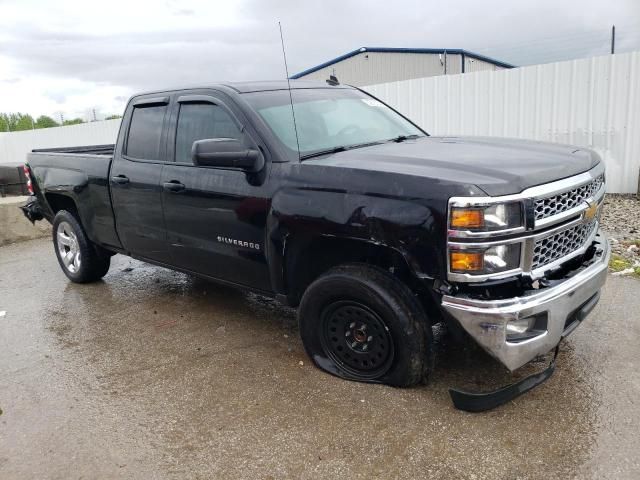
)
(613, 39)
(93, 110)
(61, 119)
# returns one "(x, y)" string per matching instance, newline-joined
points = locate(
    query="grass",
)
(618, 263)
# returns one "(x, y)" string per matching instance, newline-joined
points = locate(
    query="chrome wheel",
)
(68, 247)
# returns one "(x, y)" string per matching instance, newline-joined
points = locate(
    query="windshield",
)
(329, 119)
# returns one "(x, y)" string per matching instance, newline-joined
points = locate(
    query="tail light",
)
(27, 175)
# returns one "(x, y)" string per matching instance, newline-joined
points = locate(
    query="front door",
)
(215, 218)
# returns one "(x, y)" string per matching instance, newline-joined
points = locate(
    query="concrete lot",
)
(14, 227)
(153, 374)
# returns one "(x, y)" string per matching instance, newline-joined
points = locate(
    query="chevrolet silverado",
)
(329, 200)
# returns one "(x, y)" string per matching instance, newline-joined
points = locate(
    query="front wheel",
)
(361, 323)
(80, 260)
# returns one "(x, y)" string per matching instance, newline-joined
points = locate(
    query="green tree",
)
(112, 117)
(24, 122)
(44, 121)
(4, 122)
(11, 122)
(73, 121)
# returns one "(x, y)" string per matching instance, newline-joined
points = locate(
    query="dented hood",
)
(497, 166)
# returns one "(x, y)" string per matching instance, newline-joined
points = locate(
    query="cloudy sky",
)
(73, 56)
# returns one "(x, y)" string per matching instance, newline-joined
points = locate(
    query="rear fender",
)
(71, 184)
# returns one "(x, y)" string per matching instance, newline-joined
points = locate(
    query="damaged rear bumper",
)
(556, 309)
(32, 210)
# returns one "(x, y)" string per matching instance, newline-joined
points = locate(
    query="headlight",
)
(496, 259)
(499, 216)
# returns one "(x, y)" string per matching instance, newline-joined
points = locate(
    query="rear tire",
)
(361, 323)
(80, 260)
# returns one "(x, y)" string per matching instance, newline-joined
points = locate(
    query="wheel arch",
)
(307, 257)
(61, 201)
(78, 204)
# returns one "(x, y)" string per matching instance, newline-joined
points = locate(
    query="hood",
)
(496, 165)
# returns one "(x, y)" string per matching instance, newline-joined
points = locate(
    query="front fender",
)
(409, 227)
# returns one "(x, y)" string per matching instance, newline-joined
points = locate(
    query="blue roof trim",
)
(453, 51)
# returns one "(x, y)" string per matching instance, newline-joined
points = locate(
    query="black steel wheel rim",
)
(356, 339)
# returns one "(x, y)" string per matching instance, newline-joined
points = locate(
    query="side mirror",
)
(226, 153)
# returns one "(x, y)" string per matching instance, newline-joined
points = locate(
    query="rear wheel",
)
(361, 323)
(80, 260)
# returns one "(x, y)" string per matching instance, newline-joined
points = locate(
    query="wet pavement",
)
(155, 374)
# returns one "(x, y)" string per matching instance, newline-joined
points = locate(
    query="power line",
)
(543, 54)
(569, 45)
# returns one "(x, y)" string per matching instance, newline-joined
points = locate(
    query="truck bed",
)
(85, 149)
(77, 176)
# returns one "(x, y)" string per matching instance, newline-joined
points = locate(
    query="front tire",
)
(360, 323)
(80, 260)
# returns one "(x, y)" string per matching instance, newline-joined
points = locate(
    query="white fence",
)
(14, 146)
(593, 102)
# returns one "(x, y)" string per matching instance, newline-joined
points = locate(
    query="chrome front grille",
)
(549, 249)
(561, 202)
(561, 220)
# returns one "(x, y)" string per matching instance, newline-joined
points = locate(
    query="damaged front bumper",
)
(556, 310)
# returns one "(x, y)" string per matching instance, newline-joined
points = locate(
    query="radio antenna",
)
(286, 70)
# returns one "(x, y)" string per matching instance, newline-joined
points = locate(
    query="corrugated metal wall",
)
(14, 146)
(367, 68)
(594, 102)
(474, 65)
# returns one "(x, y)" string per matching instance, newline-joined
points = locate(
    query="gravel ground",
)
(621, 220)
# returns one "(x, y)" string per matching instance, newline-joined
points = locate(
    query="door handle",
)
(173, 186)
(120, 179)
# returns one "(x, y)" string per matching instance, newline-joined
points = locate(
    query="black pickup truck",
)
(343, 207)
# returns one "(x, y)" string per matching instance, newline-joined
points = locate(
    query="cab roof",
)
(248, 87)
(265, 85)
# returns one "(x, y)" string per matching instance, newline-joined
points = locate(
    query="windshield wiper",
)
(402, 138)
(324, 152)
(341, 148)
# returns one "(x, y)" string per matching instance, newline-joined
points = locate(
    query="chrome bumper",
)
(485, 320)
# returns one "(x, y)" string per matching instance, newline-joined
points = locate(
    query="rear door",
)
(135, 178)
(215, 218)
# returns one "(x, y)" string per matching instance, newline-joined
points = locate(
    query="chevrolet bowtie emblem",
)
(590, 213)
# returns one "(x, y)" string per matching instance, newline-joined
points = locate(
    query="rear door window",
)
(199, 121)
(145, 132)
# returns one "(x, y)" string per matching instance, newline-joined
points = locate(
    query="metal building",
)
(372, 65)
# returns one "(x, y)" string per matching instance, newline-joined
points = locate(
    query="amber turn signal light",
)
(467, 218)
(466, 261)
